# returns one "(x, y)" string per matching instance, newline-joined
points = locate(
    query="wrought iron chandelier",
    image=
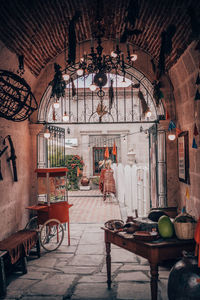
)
(95, 62)
(99, 64)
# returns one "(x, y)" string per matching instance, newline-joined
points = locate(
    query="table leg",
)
(154, 281)
(38, 247)
(68, 232)
(24, 264)
(108, 264)
(2, 277)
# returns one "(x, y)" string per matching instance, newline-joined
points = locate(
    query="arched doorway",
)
(94, 123)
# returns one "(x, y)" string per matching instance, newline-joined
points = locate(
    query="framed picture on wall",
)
(183, 157)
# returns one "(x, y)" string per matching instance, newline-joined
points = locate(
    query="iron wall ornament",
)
(17, 102)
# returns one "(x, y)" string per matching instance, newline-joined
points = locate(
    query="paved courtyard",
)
(89, 207)
(78, 271)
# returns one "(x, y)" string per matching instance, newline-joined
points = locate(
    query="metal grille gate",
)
(51, 152)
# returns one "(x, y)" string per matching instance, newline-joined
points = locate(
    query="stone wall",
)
(14, 196)
(183, 76)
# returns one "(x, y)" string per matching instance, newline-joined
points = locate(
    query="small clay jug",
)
(85, 181)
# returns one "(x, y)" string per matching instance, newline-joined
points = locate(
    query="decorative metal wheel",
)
(51, 235)
(17, 102)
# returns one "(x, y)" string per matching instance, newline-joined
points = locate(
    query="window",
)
(98, 154)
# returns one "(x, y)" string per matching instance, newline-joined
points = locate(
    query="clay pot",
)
(183, 283)
(131, 227)
(85, 181)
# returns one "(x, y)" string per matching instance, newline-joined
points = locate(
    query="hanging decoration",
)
(195, 130)
(195, 133)
(101, 110)
(54, 114)
(172, 131)
(73, 88)
(198, 80)
(187, 194)
(167, 116)
(166, 47)
(114, 150)
(111, 94)
(72, 39)
(12, 158)
(145, 107)
(157, 93)
(171, 126)
(17, 102)
(106, 154)
(58, 84)
(194, 144)
(132, 14)
(21, 69)
(178, 131)
(197, 95)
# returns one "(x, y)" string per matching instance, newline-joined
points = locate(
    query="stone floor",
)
(89, 207)
(78, 272)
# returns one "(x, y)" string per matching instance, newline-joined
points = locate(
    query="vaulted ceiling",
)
(37, 28)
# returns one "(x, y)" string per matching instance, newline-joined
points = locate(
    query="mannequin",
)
(106, 181)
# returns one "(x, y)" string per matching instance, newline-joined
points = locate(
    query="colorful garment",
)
(107, 182)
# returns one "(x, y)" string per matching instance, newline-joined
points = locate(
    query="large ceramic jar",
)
(184, 279)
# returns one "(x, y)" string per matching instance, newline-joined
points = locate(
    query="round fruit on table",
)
(165, 227)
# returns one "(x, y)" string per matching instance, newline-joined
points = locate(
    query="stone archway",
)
(118, 125)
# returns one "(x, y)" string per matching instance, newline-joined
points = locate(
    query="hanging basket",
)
(17, 102)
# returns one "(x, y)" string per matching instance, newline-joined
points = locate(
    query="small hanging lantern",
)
(172, 131)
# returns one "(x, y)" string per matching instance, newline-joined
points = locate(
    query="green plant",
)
(95, 180)
(73, 163)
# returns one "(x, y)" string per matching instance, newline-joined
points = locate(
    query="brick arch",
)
(143, 65)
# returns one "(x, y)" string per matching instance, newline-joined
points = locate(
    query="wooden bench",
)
(15, 249)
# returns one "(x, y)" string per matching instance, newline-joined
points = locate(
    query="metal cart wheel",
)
(51, 235)
(32, 224)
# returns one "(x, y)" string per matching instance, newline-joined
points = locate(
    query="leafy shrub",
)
(73, 162)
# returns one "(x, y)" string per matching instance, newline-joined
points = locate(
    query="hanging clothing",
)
(107, 182)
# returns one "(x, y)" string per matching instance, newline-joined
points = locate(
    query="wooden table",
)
(154, 252)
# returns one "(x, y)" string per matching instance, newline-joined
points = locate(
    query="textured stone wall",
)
(14, 196)
(183, 76)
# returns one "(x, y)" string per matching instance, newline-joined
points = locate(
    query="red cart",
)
(51, 216)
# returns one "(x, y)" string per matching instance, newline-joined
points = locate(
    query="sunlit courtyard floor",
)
(89, 207)
(78, 271)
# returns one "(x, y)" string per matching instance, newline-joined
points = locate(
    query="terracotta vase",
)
(85, 181)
